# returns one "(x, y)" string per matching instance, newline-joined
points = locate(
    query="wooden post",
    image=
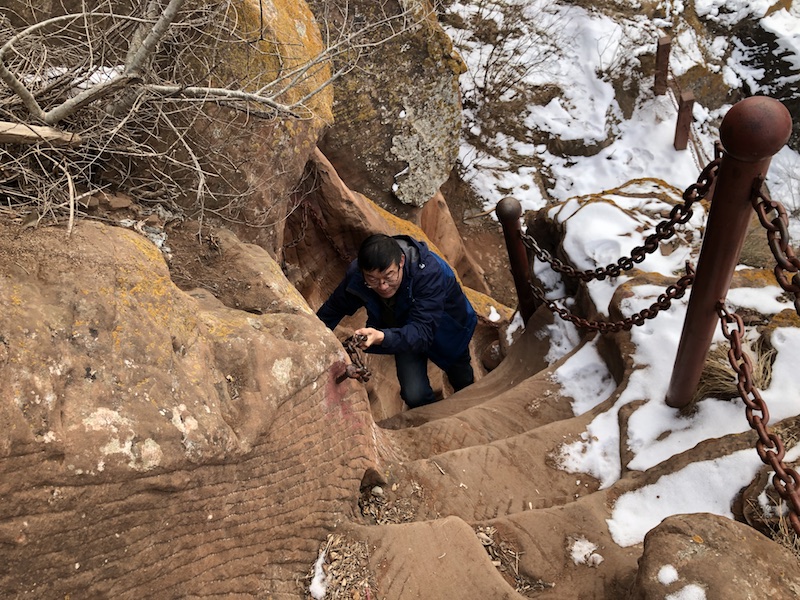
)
(509, 210)
(683, 127)
(662, 65)
(751, 133)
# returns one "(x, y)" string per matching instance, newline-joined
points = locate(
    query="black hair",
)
(379, 252)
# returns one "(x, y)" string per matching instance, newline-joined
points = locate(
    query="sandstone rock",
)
(445, 546)
(437, 223)
(755, 251)
(326, 229)
(721, 557)
(113, 201)
(166, 443)
(157, 443)
(492, 356)
(330, 222)
(240, 275)
(259, 160)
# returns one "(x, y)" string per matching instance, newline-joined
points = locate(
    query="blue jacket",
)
(432, 314)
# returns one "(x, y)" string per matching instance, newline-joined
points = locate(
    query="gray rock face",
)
(398, 115)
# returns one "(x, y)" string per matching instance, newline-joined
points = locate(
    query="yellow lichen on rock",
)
(100, 326)
(484, 304)
(277, 38)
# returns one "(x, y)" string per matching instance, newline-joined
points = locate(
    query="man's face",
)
(385, 283)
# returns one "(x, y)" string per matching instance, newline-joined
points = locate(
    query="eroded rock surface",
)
(172, 442)
(255, 162)
(157, 443)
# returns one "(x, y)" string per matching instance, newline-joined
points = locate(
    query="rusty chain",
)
(769, 446)
(308, 211)
(664, 301)
(778, 240)
(356, 369)
(318, 222)
(679, 215)
(303, 206)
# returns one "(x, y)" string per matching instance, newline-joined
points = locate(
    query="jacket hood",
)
(417, 252)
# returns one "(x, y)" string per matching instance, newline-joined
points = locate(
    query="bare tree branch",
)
(120, 84)
(211, 94)
(60, 112)
(92, 94)
(139, 56)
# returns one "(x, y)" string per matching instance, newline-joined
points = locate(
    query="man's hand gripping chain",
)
(357, 369)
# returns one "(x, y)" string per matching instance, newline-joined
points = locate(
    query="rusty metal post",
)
(751, 133)
(683, 127)
(508, 212)
(662, 65)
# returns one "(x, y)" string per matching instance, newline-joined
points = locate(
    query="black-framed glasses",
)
(389, 277)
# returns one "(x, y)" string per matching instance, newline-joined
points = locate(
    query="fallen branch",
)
(15, 133)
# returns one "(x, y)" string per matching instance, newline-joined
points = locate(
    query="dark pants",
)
(412, 373)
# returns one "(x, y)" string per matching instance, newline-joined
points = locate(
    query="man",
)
(416, 310)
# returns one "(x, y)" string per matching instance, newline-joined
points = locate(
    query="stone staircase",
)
(470, 502)
(484, 460)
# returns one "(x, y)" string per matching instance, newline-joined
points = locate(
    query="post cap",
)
(755, 128)
(508, 209)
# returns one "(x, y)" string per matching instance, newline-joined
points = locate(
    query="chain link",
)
(303, 206)
(769, 446)
(679, 215)
(778, 240)
(664, 301)
(308, 211)
(324, 229)
(357, 369)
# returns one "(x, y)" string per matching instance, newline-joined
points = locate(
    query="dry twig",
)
(120, 84)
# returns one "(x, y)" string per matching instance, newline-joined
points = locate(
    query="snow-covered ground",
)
(583, 51)
(585, 48)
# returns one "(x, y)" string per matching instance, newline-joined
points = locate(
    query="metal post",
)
(683, 127)
(662, 65)
(751, 133)
(508, 212)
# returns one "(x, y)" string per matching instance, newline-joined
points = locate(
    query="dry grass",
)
(785, 535)
(346, 569)
(719, 380)
(772, 519)
(506, 558)
(777, 526)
